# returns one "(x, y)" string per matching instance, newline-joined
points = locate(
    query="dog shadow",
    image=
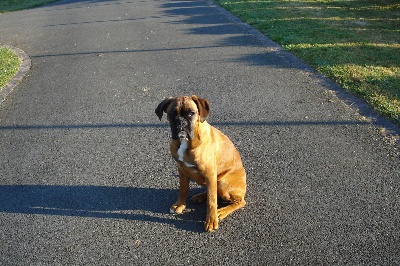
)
(129, 203)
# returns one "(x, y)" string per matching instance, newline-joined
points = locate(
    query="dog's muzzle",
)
(180, 129)
(182, 135)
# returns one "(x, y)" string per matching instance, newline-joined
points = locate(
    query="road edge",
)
(389, 130)
(17, 78)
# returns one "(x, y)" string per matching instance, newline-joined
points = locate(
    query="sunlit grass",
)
(379, 86)
(9, 61)
(356, 43)
(9, 64)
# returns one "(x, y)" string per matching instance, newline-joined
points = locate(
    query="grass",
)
(9, 65)
(14, 5)
(356, 43)
(9, 61)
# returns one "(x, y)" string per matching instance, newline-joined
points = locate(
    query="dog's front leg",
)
(180, 205)
(211, 222)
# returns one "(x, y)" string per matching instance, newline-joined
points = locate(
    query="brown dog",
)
(206, 155)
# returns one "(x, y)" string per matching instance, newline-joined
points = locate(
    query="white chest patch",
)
(182, 149)
(181, 152)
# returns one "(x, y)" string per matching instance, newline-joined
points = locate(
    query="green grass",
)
(9, 65)
(356, 43)
(14, 5)
(9, 61)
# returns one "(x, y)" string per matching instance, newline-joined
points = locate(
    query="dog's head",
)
(184, 113)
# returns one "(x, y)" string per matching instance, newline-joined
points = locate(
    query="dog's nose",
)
(181, 123)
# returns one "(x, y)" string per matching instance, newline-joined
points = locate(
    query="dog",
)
(206, 155)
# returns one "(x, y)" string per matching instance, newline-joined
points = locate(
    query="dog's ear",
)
(162, 107)
(203, 106)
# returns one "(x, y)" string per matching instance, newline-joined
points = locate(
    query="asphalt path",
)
(86, 177)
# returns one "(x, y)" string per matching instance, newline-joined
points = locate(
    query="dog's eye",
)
(191, 113)
(172, 113)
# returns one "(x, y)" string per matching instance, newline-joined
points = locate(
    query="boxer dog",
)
(206, 155)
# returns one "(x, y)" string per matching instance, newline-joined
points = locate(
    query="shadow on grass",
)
(9, 6)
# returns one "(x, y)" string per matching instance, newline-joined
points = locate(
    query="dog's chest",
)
(181, 152)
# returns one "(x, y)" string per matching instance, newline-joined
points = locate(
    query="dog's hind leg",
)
(199, 198)
(237, 201)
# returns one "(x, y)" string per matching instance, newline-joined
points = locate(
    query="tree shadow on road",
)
(127, 203)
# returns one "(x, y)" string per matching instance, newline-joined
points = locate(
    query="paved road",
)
(86, 178)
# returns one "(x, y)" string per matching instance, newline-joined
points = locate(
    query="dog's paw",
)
(225, 211)
(177, 208)
(222, 213)
(211, 224)
(199, 198)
